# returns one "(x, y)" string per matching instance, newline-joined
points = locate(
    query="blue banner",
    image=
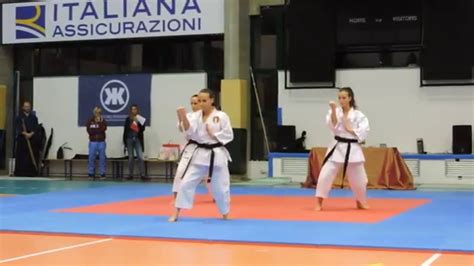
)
(114, 94)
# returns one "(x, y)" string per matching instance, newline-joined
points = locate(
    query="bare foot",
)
(317, 207)
(174, 217)
(225, 216)
(361, 206)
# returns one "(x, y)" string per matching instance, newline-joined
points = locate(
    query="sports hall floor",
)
(56, 222)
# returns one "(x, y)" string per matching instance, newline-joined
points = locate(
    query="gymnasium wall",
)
(399, 110)
(56, 104)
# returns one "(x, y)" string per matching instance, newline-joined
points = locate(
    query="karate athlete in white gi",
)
(188, 148)
(350, 127)
(210, 130)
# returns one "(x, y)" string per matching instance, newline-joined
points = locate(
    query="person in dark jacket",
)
(27, 151)
(96, 127)
(133, 141)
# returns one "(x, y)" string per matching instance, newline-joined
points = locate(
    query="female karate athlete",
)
(349, 127)
(210, 130)
(188, 148)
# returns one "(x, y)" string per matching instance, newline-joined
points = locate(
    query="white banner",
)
(74, 20)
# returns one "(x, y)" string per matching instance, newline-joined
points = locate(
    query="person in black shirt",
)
(133, 140)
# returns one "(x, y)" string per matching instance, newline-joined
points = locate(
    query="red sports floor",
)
(42, 249)
(263, 207)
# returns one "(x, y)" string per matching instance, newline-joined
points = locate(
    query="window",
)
(58, 61)
(168, 55)
(131, 58)
(25, 61)
(267, 38)
(159, 55)
(100, 59)
(215, 56)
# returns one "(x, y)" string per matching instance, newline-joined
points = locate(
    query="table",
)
(385, 169)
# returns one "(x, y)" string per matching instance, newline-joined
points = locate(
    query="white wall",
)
(56, 103)
(399, 110)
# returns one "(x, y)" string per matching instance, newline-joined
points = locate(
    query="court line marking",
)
(56, 250)
(228, 242)
(431, 259)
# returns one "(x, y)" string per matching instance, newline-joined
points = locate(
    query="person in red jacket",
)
(96, 127)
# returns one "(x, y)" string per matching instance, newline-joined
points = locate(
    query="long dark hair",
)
(211, 93)
(350, 92)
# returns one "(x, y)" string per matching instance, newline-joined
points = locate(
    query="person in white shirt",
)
(210, 130)
(188, 148)
(350, 127)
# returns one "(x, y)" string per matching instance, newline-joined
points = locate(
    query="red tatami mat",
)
(262, 207)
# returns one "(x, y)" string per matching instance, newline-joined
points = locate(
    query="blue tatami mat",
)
(445, 223)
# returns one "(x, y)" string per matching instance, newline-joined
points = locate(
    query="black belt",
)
(346, 159)
(210, 147)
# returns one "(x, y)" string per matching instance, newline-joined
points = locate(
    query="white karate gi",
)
(186, 154)
(199, 165)
(355, 170)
